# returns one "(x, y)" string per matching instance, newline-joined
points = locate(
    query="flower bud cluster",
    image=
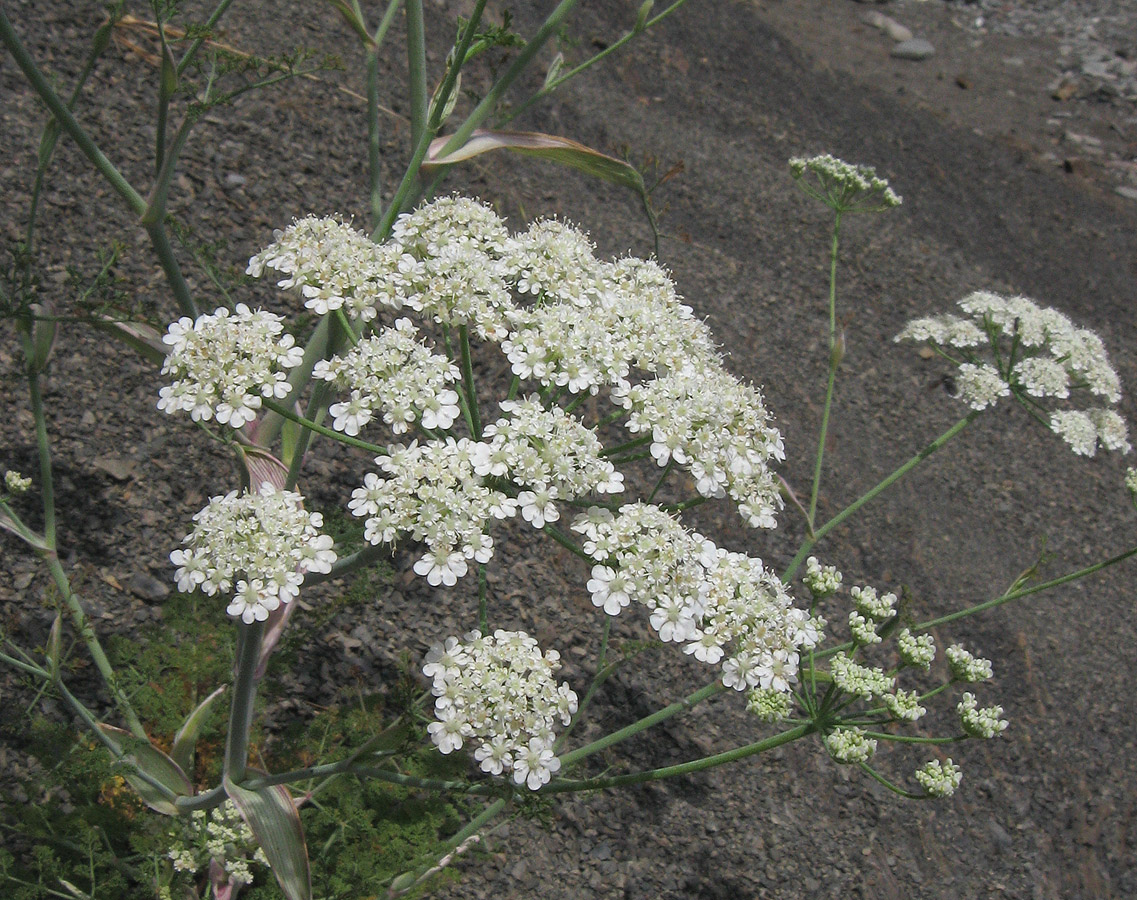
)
(980, 723)
(392, 372)
(223, 364)
(866, 682)
(707, 421)
(724, 607)
(844, 186)
(965, 667)
(849, 745)
(499, 692)
(939, 779)
(916, 649)
(15, 483)
(260, 545)
(1035, 352)
(822, 581)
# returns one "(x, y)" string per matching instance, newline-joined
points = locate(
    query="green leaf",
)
(186, 738)
(148, 759)
(55, 645)
(146, 341)
(545, 146)
(275, 822)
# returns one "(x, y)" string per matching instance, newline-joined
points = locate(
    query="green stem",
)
(912, 739)
(286, 413)
(468, 381)
(88, 147)
(938, 443)
(688, 702)
(873, 773)
(173, 272)
(348, 564)
(602, 673)
(483, 611)
(1024, 592)
(489, 103)
(206, 32)
(611, 48)
(834, 361)
(374, 162)
(662, 478)
(698, 765)
(628, 445)
(317, 348)
(244, 693)
(416, 70)
(567, 542)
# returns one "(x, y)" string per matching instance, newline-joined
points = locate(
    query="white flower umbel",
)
(257, 545)
(966, 667)
(726, 608)
(499, 692)
(1011, 345)
(939, 779)
(980, 386)
(843, 186)
(223, 364)
(447, 221)
(636, 321)
(980, 723)
(392, 372)
(433, 493)
(221, 836)
(332, 266)
(553, 261)
(710, 423)
(849, 745)
(549, 451)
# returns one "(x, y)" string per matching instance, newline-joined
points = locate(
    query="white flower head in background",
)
(843, 187)
(1010, 346)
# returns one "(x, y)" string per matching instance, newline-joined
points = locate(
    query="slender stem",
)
(88, 147)
(611, 48)
(244, 693)
(602, 673)
(567, 542)
(869, 770)
(206, 31)
(173, 272)
(483, 788)
(318, 404)
(698, 765)
(416, 70)
(421, 146)
(489, 103)
(834, 361)
(896, 475)
(286, 413)
(468, 381)
(374, 163)
(1024, 592)
(912, 739)
(318, 347)
(662, 478)
(628, 445)
(348, 564)
(688, 702)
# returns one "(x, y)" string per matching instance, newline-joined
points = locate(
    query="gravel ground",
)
(996, 197)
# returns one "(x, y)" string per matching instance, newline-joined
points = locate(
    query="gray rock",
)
(916, 48)
(1126, 191)
(896, 31)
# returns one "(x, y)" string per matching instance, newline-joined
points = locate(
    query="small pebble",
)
(916, 49)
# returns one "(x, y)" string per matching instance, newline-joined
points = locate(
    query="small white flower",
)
(966, 667)
(980, 723)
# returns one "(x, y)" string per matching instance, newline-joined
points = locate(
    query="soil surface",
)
(1017, 169)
